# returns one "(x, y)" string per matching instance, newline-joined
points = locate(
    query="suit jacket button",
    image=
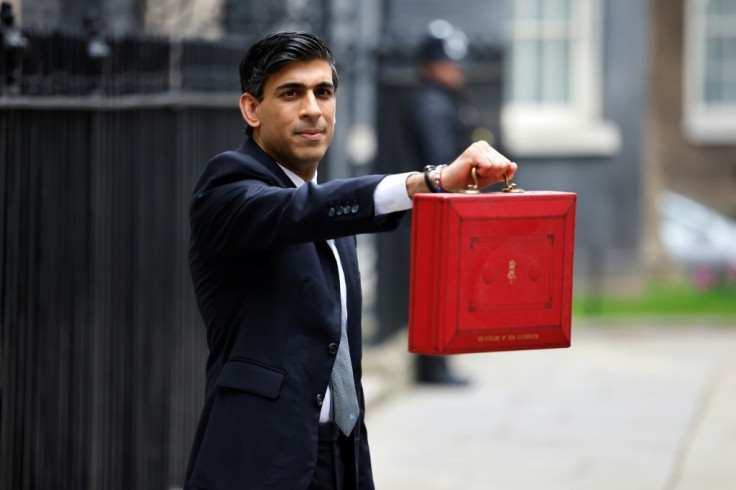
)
(338, 211)
(332, 349)
(319, 400)
(354, 208)
(331, 212)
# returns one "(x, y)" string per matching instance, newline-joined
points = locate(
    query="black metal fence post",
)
(101, 346)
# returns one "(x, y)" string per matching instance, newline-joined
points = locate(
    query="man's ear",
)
(249, 108)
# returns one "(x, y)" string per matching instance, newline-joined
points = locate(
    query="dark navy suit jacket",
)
(267, 287)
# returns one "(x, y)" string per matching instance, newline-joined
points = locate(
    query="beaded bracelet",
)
(438, 178)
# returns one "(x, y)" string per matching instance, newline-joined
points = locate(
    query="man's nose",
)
(310, 106)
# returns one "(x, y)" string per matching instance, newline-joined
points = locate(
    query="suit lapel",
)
(346, 250)
(251, 148)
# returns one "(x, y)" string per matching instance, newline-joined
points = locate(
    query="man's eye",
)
(325, 92)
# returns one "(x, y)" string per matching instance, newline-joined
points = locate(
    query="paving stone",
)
(624, 408)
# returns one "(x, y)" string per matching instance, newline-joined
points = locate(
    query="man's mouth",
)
(311, 134)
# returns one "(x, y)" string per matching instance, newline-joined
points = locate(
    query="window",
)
(709, 109)
(553, 95)
(540, 63)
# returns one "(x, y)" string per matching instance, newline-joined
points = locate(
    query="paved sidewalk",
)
(623, 408)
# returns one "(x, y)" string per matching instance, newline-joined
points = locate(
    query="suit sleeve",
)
(237, 208)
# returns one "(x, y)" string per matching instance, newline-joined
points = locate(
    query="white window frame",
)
(701, 123)
(576, 128)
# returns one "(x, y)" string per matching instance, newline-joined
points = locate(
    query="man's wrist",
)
(415, 183)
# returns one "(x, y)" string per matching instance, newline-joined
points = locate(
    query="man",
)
(440, 120)
(440, 116)
(275, 273)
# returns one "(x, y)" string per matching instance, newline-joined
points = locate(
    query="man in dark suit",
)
(276, 277)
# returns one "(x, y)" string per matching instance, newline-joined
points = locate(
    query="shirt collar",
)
(298, 181)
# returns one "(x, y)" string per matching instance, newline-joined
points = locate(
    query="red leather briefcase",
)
(491, 271)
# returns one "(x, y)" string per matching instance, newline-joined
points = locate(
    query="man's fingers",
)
(495, 168)
(485, 156)
(489, 163)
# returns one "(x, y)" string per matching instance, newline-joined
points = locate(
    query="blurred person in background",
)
(440, 120)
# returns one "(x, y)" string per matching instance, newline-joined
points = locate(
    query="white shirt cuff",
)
(390, 195)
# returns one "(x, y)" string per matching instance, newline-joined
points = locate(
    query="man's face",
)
(448, 73)
(295, 121)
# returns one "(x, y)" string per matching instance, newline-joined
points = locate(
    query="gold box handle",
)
(473, 188)
(510, 187)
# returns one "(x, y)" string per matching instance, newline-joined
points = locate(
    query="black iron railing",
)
(101, 347)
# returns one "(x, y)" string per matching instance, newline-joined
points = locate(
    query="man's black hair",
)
(271, 53)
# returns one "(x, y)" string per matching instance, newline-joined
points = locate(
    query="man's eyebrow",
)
(300, 85)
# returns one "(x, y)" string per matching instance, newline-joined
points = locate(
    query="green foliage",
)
(664, 300)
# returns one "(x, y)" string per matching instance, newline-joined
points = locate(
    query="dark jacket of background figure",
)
(267, 287)
(441, 123)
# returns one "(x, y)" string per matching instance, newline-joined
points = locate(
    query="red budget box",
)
(491, 272)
